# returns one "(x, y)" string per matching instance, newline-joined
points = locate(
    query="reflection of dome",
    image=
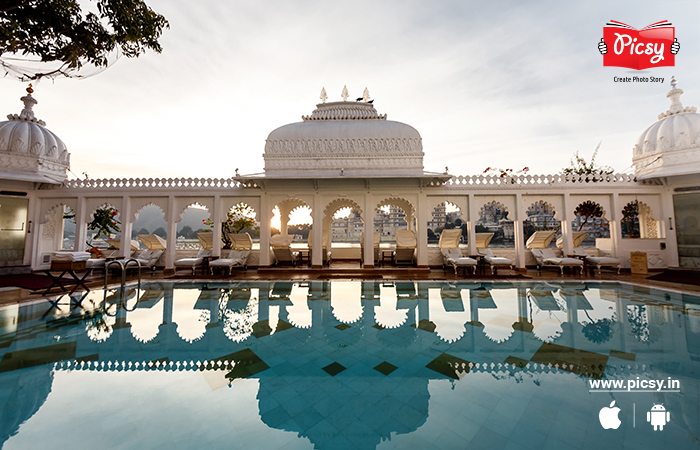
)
(671, 146)
(347, 136)
(29, 151)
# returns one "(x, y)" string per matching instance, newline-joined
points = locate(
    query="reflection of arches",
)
(345, 301)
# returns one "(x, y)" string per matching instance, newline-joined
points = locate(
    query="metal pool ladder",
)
(123, 265)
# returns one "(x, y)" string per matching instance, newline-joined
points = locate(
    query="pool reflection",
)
(353, 356)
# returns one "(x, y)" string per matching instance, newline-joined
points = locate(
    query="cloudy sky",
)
(504, 84)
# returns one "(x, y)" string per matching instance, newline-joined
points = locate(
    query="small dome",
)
(670, 146)
(344, 138)
(29, 150)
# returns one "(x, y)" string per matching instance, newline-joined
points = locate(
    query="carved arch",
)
(494, 204)
(399, 202)
(340, 203)
(195, 204)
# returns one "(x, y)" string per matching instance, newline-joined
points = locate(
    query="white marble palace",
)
(347, 155)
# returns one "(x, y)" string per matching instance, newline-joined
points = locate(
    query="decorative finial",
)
(676, 106)
(365, 95)
(447, 170)
(345, 94)
(323, 96)
(236, 171)
(30, 91)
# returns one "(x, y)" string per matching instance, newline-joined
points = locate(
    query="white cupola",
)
(671, 146)
(28, 150)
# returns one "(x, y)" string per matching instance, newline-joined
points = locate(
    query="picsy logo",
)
(652, 46)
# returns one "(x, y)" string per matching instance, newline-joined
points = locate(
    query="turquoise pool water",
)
(356, 365)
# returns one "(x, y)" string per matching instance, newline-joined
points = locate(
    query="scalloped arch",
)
(46, 214)
(399, 202)
(196, 204)
(495, 203)
(340, 203)
(150, 203)
(544, 203)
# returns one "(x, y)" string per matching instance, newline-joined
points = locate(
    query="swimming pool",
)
(361, 365)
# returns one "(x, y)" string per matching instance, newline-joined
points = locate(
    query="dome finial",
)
(676, 106)
(27, 113)
(365, 95)
(323, 96)
(345, 94)
(675, 95)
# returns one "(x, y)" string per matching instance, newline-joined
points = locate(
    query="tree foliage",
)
(59, 30)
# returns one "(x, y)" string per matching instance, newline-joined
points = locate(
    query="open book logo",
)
(652, 46)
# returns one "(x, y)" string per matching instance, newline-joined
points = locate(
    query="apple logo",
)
(608, 417)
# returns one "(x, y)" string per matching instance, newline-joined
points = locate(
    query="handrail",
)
(123, 266)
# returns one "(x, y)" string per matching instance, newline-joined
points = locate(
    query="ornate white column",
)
(216, 219)
(369, 212)
(173, 216)
(317, 243)
(127, 226)
(472, 219)
(566, 231)
(265, 217)
(421, 230)
(520, 216)
(615, 225)
(80, 225)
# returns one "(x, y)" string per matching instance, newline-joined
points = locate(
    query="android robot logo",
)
(658, 416)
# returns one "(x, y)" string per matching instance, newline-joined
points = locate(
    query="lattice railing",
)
(537, 180)
(168, 183)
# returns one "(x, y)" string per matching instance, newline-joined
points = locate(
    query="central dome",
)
(344, 138)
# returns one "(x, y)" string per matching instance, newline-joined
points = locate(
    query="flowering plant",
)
(104, 220)
(237, 220)
(508, 175)
(588, 209)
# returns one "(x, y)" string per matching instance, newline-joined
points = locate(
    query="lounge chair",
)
(540, 239)
(197, 261)
(242, 243)
(495, 261)
(193, 263)
(327, 255)
(482, 239)
(281, 247)
(375, 246)
(547, 258)
(453, 257)
(99, 259)
(482, 243)
(155, 246)
(596, 262)
(451, 253)
(405, 247)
